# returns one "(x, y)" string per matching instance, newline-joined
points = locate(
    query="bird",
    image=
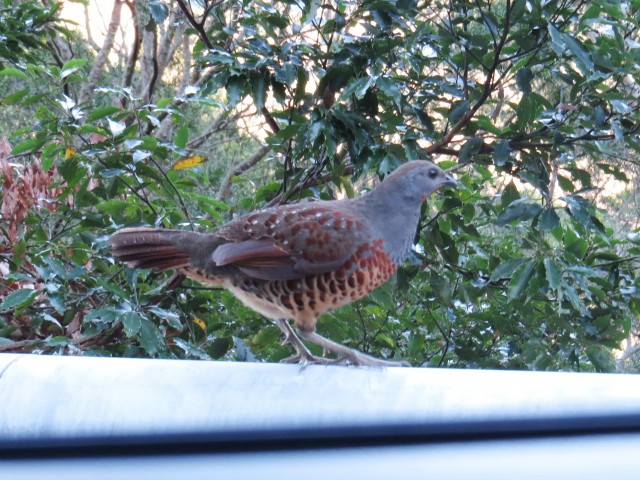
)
(295, 262)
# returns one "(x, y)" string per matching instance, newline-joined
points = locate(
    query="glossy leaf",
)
(554, 276)
(520, 279)
(18, 299)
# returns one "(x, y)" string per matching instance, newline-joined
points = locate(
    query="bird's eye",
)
(433, 173)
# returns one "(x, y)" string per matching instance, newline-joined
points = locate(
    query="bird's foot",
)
(359, 359)
(303, 356)
(307, 358)
(355, 359)
(349, 356)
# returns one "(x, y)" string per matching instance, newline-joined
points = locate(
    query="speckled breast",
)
(368, 268)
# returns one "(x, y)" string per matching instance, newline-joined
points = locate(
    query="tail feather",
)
(149, 248)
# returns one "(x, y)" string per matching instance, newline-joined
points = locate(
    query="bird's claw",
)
(345, 356)
(304, 360)
(361, 360)
(355, 360)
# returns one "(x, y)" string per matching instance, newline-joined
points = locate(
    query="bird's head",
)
(418, 179)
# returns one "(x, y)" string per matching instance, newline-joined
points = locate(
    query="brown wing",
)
(292, 241)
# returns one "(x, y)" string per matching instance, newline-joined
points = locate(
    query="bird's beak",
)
(450, 182)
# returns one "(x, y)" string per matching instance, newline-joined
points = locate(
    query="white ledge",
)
(53, 396)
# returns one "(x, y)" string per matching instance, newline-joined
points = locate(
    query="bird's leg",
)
(347, 356)
(303, 355)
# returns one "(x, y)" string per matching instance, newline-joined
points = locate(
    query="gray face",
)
(417, 180)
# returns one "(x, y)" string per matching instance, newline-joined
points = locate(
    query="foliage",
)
(23, 29)
(533, 103)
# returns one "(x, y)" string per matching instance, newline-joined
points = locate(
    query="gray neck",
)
(394, 216)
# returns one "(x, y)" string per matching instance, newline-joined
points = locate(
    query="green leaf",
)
(618, 132)
(15, 97)
(131, 322)
(259, 91)
(235, 89)
(102, 112)
(191, 350)
(220, 346)
(509, 195)
(548, 219)
(526, 112)
(391, 89)
(111, 172)
(358, 88)
(31, 144)
(458, 111)
(172, 318)
(518, 212)
(501, 153)
(424, 119)
(286, 74)
(106, 315)
(13, 72)
(181, 137)
(73, 63)
(554, 276)
(158, 10)
(506, 269)
(113, 206)
(579, 209)
(151, 338)
(575, 245)
(520, 279)
(49, 155)
(566, 184)
(267, 336)
(337, 76)
(575, 300)
(383, 296)
(601, 358)
(469, 150)
(564, 40)
(243, 352)
(111, 287)
(524, 76)
(441, 287)
(116, 128)
(18, 299)
(72, 66)
(58, 341)
(517, 10)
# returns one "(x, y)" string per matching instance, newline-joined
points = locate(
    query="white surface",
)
(42, 396)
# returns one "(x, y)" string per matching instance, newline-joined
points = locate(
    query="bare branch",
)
(198, 26)
(218, 124)
(629, 352)
(149, 63)
(225, 186)
(103, 54)
(170, 40)
(178, 101)
(187, 63)
(87, 26)
(135, 50)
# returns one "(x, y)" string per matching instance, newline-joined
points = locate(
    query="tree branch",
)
(149, 63)
(135, 51)
(486, 91)
(225, 185)
(103, 54)
(198, 26)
